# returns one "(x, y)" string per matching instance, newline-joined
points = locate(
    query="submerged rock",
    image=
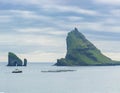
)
(58, 71)
(81, 52)
(13, 60)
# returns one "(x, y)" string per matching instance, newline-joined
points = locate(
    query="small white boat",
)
(17, 71)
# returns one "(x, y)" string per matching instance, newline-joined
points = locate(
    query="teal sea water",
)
(89, 79)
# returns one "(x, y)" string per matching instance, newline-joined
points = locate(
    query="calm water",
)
(104, 79)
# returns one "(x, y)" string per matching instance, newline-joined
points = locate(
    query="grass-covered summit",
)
(81, 52)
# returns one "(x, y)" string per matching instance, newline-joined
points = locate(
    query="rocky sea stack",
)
(81, 52)
(13, 60)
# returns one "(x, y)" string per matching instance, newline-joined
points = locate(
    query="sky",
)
(37, 29)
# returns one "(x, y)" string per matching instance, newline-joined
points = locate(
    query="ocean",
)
(85, 79)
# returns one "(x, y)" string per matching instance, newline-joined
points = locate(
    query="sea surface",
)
(86, 79)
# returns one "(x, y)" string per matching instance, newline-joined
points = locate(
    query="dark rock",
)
(58, 71)
(25, 62)
(13, 60)
(81, 52)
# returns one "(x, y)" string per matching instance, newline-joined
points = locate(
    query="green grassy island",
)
(81, 52)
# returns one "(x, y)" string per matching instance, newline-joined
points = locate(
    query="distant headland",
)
(81, 52)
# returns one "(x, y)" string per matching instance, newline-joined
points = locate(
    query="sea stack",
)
(13, 60)
(25, 62)
(81, 52)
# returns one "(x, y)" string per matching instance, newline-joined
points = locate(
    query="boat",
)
(17, 71)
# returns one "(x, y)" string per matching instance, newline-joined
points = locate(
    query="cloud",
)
(27, 18)
(33, 47)
(42, 57)
(44, 31)
(106, 22)
(113, 56)
(37, 28)
(26, 39)
(21, 14)
(73, 9)
(75, 18)
(115, 12)
(53, 5)
(108, 2)
(14, 17)
(35, 56)
(24, 14)
(30, 2)
(5, 19)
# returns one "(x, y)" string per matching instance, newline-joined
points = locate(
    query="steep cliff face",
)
(81, 52)
(13, 60)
